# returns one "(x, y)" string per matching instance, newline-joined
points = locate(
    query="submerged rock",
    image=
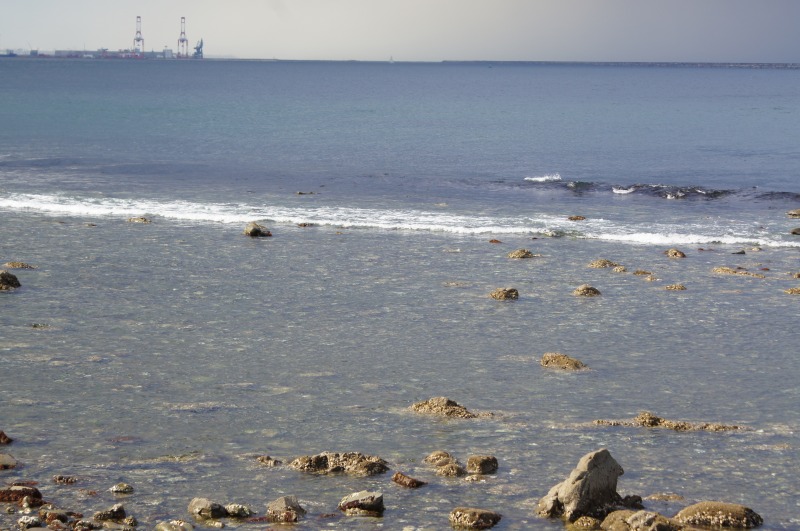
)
(16, 493)
(602, 263)
(139, 219)
(353, 463)
(590, 489)
(18, 265)
(443, 407)
(585, 290)
(7, 461)
(576, 218)
(471, 518)
(557, 360)
(642, 273)
(718, 514)
(796, 232)
(731, 271)
(285, 509)
(268, 461)
(8, 281)
(675, 287)
(174, 525)
(505, 294)
(794, 213)
(363, 503)
(121, 488)
(5, 439)
(445, 464)
(254, 230)
(115, 513)
(646, 419)
(792, 291)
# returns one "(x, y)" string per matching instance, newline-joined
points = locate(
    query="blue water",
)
(184, 338)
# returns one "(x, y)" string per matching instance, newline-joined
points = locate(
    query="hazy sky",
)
(421, 30)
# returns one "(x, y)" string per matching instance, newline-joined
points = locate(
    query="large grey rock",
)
(7, 461)
(285, 509)
(254, 230)
(719, 514)
(590, 489)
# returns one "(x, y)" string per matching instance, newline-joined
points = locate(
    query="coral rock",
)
(470, 518)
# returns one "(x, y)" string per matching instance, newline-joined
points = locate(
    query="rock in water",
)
(470, 518)
(254, 230)
(442, 406)
(520, 253)
(505, 294)
(794, 213)
(675, 253)
(590, 489)
(5, 439)
(362, 503)
(557, 360)
(8, 281)
(205, 508)
(482, 464)
(585, 290)
(353, 463)
(285, 509)
(718, 514)
(407, 481)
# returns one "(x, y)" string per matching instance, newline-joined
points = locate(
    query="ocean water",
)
(168, 355)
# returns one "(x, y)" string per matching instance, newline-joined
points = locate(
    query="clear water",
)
(175, 352)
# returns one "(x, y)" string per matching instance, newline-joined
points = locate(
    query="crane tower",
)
(138, 40)
(183, 42)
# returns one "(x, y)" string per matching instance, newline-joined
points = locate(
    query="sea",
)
(170, 355)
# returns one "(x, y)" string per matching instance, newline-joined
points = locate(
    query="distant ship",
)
(8, 53)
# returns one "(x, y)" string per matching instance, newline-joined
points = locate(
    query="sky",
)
(420, 30)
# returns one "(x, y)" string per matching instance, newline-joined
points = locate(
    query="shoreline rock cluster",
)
(646, 419)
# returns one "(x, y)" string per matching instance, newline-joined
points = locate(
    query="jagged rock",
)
(450, 470)
(674, 253)
(116, 513)
(18, 265)
(407, 481)
(731, 271)
(285, 509)
(363, 503)
(482, 464)
(174, 525)
(620, 269)
(794, 213)
(139, 219)
(5, 439)
(792, 291)
(576, 218)
(268, 461)
(443, 407)
(86, 525)
(237, 510)
(205, 508)
(590, 489)
(353, 463)
(719, 514)
(505, 294)
(675, 287)
(254, 230)
(557, 360)
(602, 263)
(648, 420)
(8, 281)
(15, 493)
(49, 514)
(471, 518)
(121, 488)
(520, 253)
(585, 290)
(64, 480)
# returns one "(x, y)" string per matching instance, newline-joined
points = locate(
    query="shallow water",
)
(168, 355)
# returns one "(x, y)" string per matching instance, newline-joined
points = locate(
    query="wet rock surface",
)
(723, 270)
(794, 213)
(472, 518)
(482, 464)
(675, 287)
(602, 263)
(353, 463)
(520, 253)
(557, 360)
(139, 219)
(5, 439)
(407, 481)
(18, 265)
(204, 508)
(675, 253)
